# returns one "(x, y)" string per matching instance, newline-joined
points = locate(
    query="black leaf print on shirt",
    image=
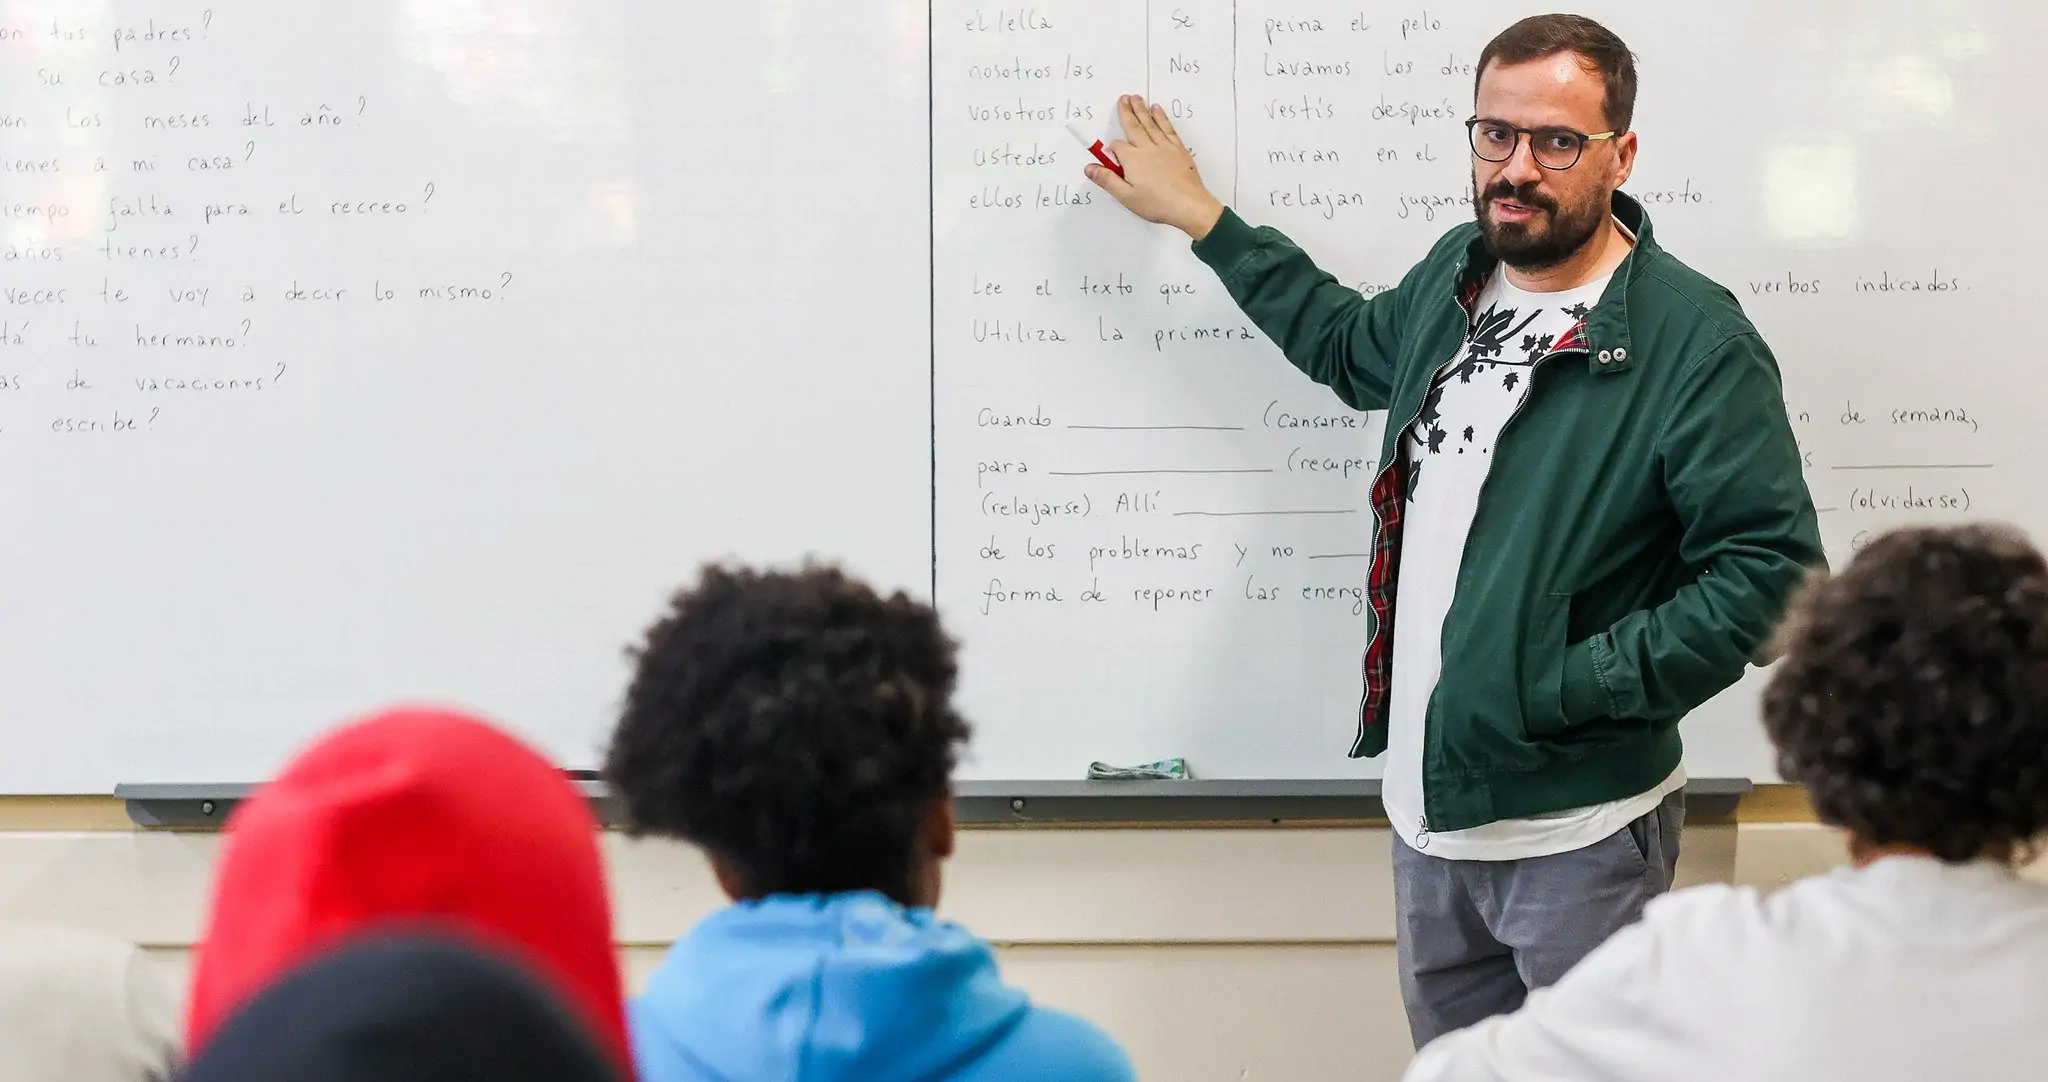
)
(1578, 311)
(1468, 433)
(1430, 405)
(1492, 331)
(1536, 345)
(1513, 377)
(1414, 476)
(1436, 441)
(1488, 334)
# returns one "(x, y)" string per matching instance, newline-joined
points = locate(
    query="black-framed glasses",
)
(1553, 148)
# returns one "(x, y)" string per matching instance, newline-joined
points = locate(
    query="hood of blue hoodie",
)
(822, 988)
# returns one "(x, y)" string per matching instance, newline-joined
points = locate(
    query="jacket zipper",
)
(1378, 524)
(1365, 656)
(1422, 837)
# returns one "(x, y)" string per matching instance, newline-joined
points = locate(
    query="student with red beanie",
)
(406, 823)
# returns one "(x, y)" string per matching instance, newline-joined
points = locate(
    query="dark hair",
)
(795, 725)
(1912, 701)
(1597, 48)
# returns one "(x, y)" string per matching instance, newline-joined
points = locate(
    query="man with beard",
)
(1589, 515)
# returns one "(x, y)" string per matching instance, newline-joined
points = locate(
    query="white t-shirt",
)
(1449, 448)
(78, 1007)
(1904, 971)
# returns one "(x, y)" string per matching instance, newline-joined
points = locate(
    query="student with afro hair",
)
(799, 729)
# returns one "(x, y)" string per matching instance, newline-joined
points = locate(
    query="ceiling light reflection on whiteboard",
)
(778, 75)
(551, 65)
(1968, 43)
(1810, 193)
(1919, 85)
(611, 212)
(912, 31)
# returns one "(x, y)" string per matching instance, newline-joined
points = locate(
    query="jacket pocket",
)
(1543, 713)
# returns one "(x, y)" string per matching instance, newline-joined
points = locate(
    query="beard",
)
(1552, 237)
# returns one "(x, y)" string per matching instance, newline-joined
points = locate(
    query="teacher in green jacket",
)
(1589, 514)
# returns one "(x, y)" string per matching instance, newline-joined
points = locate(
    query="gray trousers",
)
(1475, 936)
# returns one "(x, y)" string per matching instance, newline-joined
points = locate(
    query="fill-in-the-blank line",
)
(1920, 466)
(1137, 473)
(1251, 514)
(1825, 510)
(1342, 556)
(1157, 428)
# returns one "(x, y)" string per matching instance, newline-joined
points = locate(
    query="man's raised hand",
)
(1160, 182)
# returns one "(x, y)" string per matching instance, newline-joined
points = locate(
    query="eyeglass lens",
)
(1554, 148)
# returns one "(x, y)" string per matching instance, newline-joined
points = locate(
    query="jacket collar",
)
(1602, 336)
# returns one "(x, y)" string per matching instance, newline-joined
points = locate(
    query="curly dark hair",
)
(1912, 701)
(798, 726)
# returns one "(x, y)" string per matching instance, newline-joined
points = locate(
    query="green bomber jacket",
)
(1643, 525)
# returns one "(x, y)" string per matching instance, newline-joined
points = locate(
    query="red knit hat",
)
(422, 820)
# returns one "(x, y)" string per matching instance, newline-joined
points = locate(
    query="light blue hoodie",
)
(850, 988)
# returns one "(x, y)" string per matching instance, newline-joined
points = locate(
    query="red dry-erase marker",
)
(1096, 147)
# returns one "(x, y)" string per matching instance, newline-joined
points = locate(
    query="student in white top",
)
(1912, 702)
(80, 1007)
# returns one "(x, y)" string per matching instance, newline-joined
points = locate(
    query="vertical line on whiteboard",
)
(931, 179)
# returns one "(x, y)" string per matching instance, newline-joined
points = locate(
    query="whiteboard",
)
(1823, 159)
(622, 335)
(731, 255)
